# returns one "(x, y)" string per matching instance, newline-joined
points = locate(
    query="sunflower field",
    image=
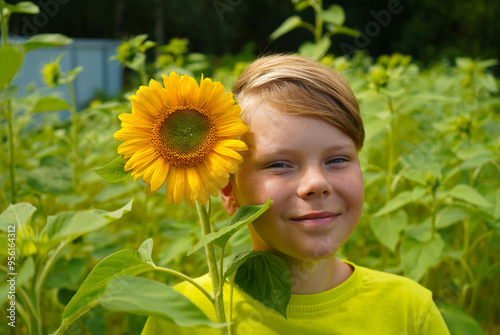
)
(431, 167)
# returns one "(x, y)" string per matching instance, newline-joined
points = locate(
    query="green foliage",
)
(148, 297)
(332, 18)
(122, 263)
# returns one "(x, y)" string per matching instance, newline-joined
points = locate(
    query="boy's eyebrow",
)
(277, 150)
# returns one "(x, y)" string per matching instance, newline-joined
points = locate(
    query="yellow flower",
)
(184, 135)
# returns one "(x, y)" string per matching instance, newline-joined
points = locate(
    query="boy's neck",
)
(310, 277)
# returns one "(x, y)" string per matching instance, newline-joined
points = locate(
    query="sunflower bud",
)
(379, 78)
(126, 52)
(51, 73)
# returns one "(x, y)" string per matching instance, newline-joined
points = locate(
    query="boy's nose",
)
(314, 183)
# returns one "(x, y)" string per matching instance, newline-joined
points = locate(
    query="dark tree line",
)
(426, 29)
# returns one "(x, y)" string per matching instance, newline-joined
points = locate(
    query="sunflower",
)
(182, 134)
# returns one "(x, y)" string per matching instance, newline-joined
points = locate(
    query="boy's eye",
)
(337, 160)
(276, 165)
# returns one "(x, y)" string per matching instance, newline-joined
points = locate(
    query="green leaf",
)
(8, 93)
(266, 278)
(11, 59)
(26, 272)
(401, 200)
(417, 257)
(470, 195)
(345, 31)
(388, 228)
(23, 276)
(121, 263)
(72, 224)
(52, 179)
(73, 73)
(334, 14)
(23, 7)
(114, 171)
(447, 218)
(233, 262)
(421, 232)
(17, 214)
(459, 322)
(146, 250)
(301, 5)
(46, 40)
(315, 50)
(50, 104)
(148, 297)
(243, 216)
(288, 25)
(66, 273)
(496, 210)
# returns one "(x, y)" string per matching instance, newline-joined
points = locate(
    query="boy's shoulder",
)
(389, 285)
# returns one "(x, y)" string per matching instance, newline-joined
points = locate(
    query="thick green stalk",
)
(212, 269)
(38, 283)
(74, 134)
(12, 162)
(480, 276)
(433, 217)
(319, 22)
(5, 26)
(30, 310)
(143, 74)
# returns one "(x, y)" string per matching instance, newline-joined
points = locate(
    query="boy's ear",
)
(228, 199)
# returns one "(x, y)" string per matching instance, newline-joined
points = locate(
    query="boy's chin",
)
(309, 255)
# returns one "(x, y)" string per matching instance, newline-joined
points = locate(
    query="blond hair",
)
(296, 85)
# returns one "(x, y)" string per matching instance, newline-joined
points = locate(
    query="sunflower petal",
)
(232, 131)
(234, 144)
(131, 146)
(224, 151)
(134, 120)
(140, 158)
(194, 182)
(159, 176)
(128, 133)
(171, 88)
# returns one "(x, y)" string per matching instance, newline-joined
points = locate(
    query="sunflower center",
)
(183, 136)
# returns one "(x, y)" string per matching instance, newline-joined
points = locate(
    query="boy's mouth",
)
(316, 219)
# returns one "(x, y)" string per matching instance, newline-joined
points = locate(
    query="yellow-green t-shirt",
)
(368, 302)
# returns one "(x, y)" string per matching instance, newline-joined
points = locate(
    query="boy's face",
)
(310, 169)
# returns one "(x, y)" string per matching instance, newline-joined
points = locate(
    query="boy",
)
(304, 138)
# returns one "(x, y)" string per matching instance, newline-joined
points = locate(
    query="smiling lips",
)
(316, 219)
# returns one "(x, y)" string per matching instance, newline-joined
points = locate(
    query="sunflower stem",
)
(5, 24)
(186, 278)
(9, 118)
(74, 133)
(203, 212)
